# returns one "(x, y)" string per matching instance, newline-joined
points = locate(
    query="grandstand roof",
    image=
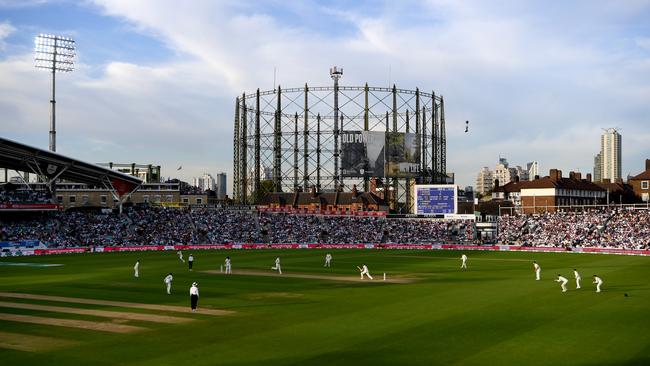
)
(21, 157)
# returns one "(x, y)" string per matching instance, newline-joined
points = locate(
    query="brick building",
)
(329, 201)
(547, 193)
(641, 183)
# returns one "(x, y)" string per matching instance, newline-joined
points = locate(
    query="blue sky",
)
(156, 79)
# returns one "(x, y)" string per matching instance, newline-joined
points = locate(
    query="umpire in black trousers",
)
(194, 295)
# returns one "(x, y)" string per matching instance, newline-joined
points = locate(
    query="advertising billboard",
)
(402, 155)
(362, 153)
(436, 199)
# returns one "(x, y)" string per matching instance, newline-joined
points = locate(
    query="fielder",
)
(538, 270)
(190, 261)
(194, 295)
(563, 281)
(364, 271)
(168, 281)
(136, 269)
(328, 260)
(228, 267)
(277, 265)
(180, 256)
(578, 278)
(598, 281)
(464, 259)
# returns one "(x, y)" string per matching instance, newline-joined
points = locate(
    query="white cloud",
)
(536, 81)
(6, 29)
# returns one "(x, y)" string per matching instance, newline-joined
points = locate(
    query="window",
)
(169, 198)
(156, 198)
(186, 200)
(103, 200)
(145, 199)
(644, 184)
(59, 199)
(199, 201)
(72, 199)
(84, 199)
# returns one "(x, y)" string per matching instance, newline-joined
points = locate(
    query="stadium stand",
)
(605, 227)
(24, 196)
(170, 226)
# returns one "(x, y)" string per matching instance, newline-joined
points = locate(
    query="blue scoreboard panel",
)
(432, 199)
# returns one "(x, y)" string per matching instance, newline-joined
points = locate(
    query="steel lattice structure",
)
(291, 137)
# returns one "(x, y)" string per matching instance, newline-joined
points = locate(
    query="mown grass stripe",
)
(134, 305)
(98, 313)
(70, 323)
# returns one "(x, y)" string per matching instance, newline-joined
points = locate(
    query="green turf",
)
(493, 314)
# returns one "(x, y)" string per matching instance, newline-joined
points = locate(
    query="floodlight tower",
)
(54, 53)
(336, 74)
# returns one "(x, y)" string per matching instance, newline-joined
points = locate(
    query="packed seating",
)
(169, 226)
(24, 196)
(616, 227)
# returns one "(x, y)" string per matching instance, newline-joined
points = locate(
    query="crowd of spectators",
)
(24, 196)
(618, 228)
(169, 226)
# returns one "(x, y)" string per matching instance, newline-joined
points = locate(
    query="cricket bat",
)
(359, 268)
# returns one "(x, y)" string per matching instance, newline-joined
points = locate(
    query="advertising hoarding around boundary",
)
(436, 199)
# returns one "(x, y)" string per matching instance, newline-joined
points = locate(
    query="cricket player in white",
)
(136, 269)
(578, 278)
(538, 270)
(328, 260)
(277, 265)
(364, 271)
(464, 259)
(194, 295)
(598, 281)
(563, 281)
(168, 280)
(228, 268)
(180, 256)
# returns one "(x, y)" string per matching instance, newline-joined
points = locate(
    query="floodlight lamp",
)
(55, 53)
(336, 73)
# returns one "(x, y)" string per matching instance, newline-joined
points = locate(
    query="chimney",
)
(588, 177)
(606, 180)
(496, 183)
(578, 175)
(516, 179)
(536, 177)
(647, 164)
(313, 191)
(355, 193)
(555, 174)
(572, 175)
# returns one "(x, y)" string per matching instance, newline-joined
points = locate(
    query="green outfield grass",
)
(493, 314)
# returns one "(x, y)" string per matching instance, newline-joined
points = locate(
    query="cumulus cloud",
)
(536, 80)
(6, 29)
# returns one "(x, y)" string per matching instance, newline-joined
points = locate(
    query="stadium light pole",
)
(56, 54)
(336, 74)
